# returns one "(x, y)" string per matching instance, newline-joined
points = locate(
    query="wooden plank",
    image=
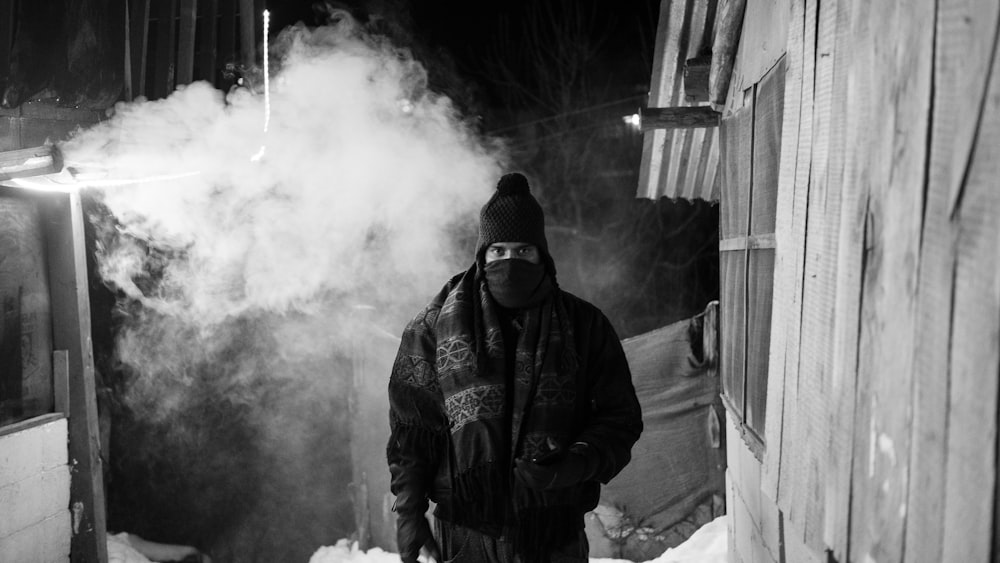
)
(975, 356)
(248, 30)
(185, 41)
(138, 18)
(748, 242)
(954, 44)
(166, 49)
(793, 468)
(208, 39)
(60, 381)
(818, 307)
(49, 540)
(34, 161)
(782, 309)
(71, 331)
(31, 447)
(684, 117)
(850, 247)
(890, 157)
(40, 495)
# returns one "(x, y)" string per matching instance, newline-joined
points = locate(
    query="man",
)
(510, 402)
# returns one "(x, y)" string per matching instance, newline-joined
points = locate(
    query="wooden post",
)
(185, 41)
(685, 117)
(63, 219)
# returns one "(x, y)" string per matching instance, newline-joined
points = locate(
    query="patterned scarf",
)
(494, 418)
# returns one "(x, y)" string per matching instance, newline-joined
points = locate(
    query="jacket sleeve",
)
(615, 417)
(418, 425)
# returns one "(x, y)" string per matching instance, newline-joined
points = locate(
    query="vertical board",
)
(782, 310)
(67, 264)
(138, 23)
(842, 378)
(793, 467)
(812, 409)
(975, 354)
(954, 42)
(891, 154)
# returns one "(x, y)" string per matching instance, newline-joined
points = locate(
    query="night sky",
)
(454, 37)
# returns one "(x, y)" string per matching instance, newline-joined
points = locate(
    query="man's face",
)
(512, 250)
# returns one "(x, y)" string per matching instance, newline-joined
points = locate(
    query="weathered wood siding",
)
(34, 491)
(881, 431)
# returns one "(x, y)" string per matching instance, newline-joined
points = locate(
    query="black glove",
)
(412, 533)
(558, 469)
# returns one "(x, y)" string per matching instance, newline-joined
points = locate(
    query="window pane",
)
(25, 316)
(761, 284)
(735, 137)
(732, 318)
(768, 111)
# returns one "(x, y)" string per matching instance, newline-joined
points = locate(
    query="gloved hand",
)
(412, 533)
(557, 469)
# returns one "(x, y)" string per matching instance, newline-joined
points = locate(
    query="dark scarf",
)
(485, 437)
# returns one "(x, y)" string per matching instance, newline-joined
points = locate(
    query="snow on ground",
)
(709, 544)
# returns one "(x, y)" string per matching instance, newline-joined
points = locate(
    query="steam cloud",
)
(260, 266)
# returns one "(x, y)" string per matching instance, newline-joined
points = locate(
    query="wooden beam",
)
(685, 117)
(185, 41)
(35, 161)
(696, 73)
(729, 25)
(67, 263)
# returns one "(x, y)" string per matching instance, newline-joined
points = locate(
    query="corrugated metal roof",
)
(680, 163)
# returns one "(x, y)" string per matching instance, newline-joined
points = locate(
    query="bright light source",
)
(633, 120)
(406, 106)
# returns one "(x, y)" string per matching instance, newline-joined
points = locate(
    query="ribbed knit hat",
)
(512, 215)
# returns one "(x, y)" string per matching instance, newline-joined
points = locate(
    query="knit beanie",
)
(512, 215)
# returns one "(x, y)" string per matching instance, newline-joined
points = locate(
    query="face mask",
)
(517, 284)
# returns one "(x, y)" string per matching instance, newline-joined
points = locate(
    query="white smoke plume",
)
(364, 171)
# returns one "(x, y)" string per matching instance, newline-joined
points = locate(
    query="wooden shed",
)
(860, 299)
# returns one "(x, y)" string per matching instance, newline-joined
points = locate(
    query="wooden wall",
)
(34, 492)
(881, 431)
